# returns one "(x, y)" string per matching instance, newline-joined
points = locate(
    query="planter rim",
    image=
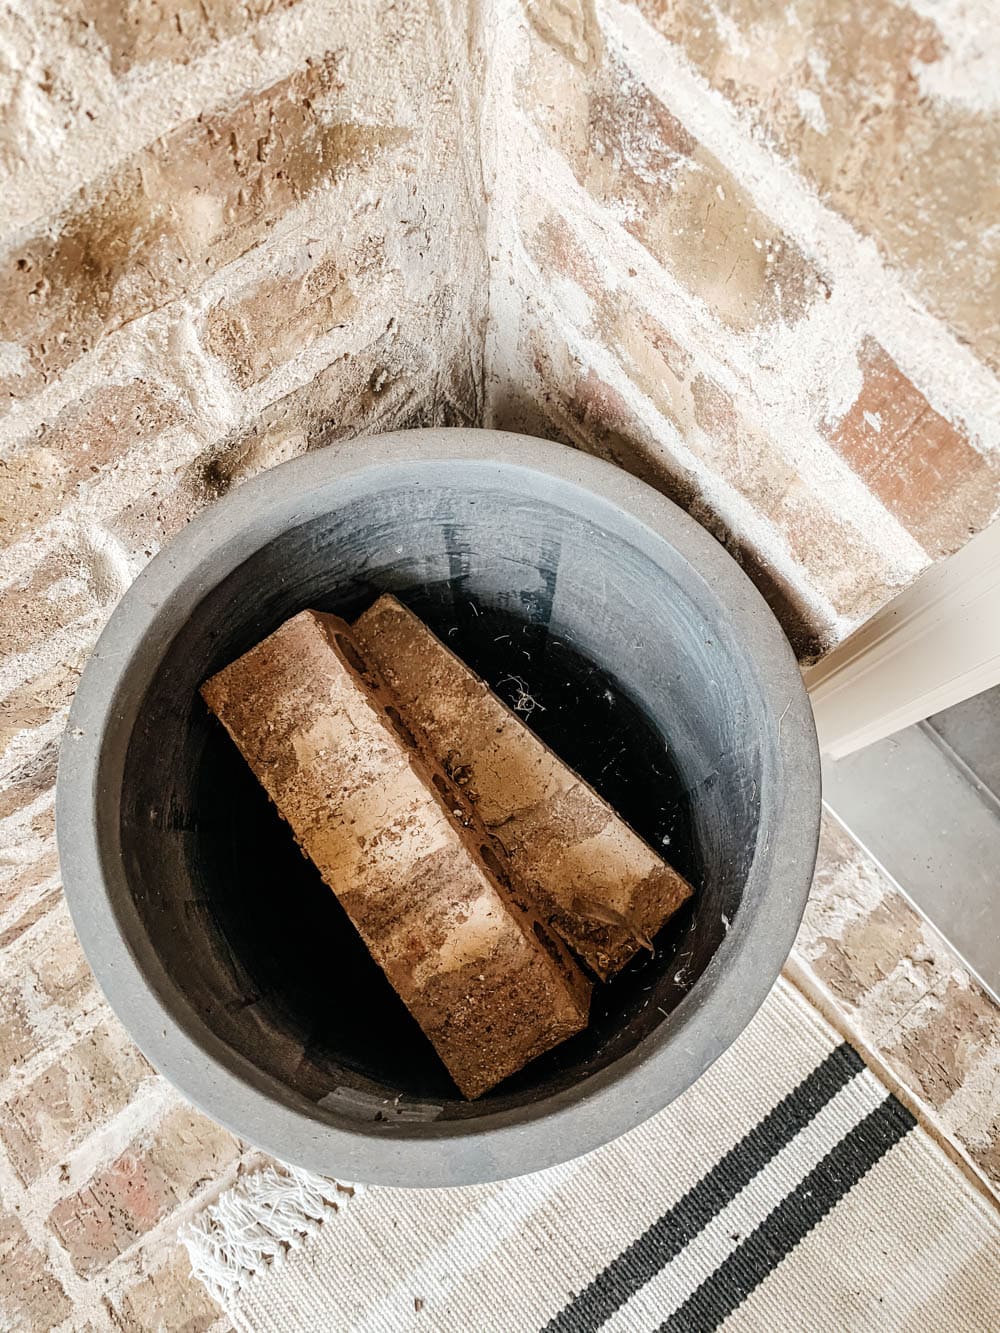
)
(228, 1087)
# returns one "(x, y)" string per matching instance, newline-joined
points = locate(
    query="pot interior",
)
(624, 663)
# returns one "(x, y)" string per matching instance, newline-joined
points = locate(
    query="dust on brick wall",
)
(694, 274)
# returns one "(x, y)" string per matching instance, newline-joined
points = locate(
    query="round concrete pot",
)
(636, 646)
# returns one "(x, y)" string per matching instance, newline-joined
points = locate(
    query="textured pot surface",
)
(622, 632)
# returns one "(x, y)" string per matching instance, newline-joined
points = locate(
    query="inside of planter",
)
(627, 666)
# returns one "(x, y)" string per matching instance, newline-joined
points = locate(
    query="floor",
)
(926, 805)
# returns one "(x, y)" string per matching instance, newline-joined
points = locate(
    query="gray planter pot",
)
(658, 671)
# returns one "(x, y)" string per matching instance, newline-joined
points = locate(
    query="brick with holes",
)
(415, 871)
(586, 872)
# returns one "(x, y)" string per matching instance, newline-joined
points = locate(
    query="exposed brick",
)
(570, 26)
(29, 779)
(273, 320)
(636, 159)
(187, 204)
(838, 557)
(83, 438)
(135, 32)
(357, 394)
(146, 1183)
(64, 587)
(31, 1297)
(44, 990)
(90, 1083)
(842, 96)
(923, 469)
(36, 700)
(170, 1298)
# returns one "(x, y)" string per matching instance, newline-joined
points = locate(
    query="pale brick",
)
(921, 467)
(846, 562)
(29, 779)
(91, 1082)
(636, 160)
(847, 102)
(168, 1300)
(46, 988)
(51, 595)
(144, 1185)
(31, 1298)
(178, 210)
(135, 32)
(259, 328)
(34, 702)
(85, 437)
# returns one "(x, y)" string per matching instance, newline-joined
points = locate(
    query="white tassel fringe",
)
(254, 1225)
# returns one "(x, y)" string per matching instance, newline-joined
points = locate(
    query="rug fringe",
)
(256, 1222)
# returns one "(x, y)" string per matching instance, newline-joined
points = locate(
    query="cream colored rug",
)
(787, 1190)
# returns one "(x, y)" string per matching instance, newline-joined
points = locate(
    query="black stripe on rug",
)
(669, 1234)
(801, 1210)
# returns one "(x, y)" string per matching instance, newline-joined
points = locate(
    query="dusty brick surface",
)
(64, 456)
(853, 104)
(257, 329)
(641, 164)
(135, 32)
(42, 990)
(118, 1206)
(169, 1298)
(31, 1298)
(921, 467)
(186, 205)
(91, 1082)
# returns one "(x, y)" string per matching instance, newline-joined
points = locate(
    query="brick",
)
(409, 862)
(29, 779)
(44, 990)
(145, 1184)
(169, 1298)
(356, 394)
(31, 1296)
(135, 32)
(91, 1082)
(921, 467)
(55, 592)
(848, 564)
(36, 700)
(267, 325)
(637, 160)
(84, 438)
(569, 26)
(594, 881)
(848, 102)
(181, 208)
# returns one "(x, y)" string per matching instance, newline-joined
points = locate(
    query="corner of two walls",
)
(749, 256)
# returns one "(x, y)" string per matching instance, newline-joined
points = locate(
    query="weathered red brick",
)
(147, 1182)
(921, 467)
(176, 211)
(31, 1296)
(134, 32)
(91, 1081)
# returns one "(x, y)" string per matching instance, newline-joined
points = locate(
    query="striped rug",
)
(786, 1190)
